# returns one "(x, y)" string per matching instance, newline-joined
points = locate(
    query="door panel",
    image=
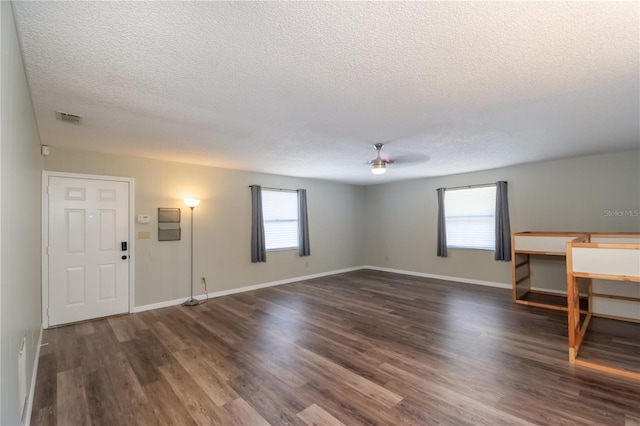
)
(88, 221)
(106, 282)
(75, 231)
(107, 231)
(76, 286)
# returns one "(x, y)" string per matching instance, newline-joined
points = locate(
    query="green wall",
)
(20, 217)
(222, 224)
(563, 195)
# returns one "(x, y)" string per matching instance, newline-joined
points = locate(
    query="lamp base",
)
(191, 302)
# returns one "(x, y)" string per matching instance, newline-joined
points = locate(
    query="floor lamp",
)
(191, 203)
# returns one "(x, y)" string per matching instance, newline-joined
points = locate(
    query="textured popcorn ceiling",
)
(306, 89)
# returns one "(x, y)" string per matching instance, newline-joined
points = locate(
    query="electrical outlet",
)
(386, 258)
(306, 264)
(203, 281)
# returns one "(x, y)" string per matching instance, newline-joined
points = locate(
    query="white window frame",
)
(463, 219)
(267, 221)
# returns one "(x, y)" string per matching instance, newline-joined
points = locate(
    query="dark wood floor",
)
(612, 343)
(358, 348)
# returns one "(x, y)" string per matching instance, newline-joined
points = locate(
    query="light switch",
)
(144, 235)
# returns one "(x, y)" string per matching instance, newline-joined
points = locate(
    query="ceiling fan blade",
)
(380, 160)
(406, 159)
(411, 159)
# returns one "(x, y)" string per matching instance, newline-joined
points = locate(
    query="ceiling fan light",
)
(378, 168)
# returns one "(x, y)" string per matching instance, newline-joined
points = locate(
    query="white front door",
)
(88, 252)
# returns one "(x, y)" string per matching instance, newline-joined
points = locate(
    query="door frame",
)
(45, 234)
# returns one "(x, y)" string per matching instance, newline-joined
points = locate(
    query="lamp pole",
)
(192, 203)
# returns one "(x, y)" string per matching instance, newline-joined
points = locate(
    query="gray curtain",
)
(442, 226)
(258, 248)
(303, 224)
(503, 229)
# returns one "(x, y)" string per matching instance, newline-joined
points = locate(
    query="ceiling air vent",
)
(69, 118)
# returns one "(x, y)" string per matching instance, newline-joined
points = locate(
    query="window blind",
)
(280, 213)
(470, 217)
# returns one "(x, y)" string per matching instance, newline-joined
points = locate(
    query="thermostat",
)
(144, 218)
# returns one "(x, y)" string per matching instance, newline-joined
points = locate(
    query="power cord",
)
(204, 282)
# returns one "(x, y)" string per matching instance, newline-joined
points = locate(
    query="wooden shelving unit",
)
(613, 257)
(588, 256)
(523, 246)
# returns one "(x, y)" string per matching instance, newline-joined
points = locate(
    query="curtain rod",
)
(481, 185)
(275, 189)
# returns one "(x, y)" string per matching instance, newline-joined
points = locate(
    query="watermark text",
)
(622, 213)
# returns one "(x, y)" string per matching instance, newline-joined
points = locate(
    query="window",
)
(280, 215)
(470, 217)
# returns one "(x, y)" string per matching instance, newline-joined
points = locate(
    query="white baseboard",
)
(32, 389)
(243, 289)
(175, 302)
(440, 277)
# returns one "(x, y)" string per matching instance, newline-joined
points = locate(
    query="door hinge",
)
(48, 251)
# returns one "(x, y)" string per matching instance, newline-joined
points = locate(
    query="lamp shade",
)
(191, 202)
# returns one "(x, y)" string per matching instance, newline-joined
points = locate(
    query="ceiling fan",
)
(379, 164)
